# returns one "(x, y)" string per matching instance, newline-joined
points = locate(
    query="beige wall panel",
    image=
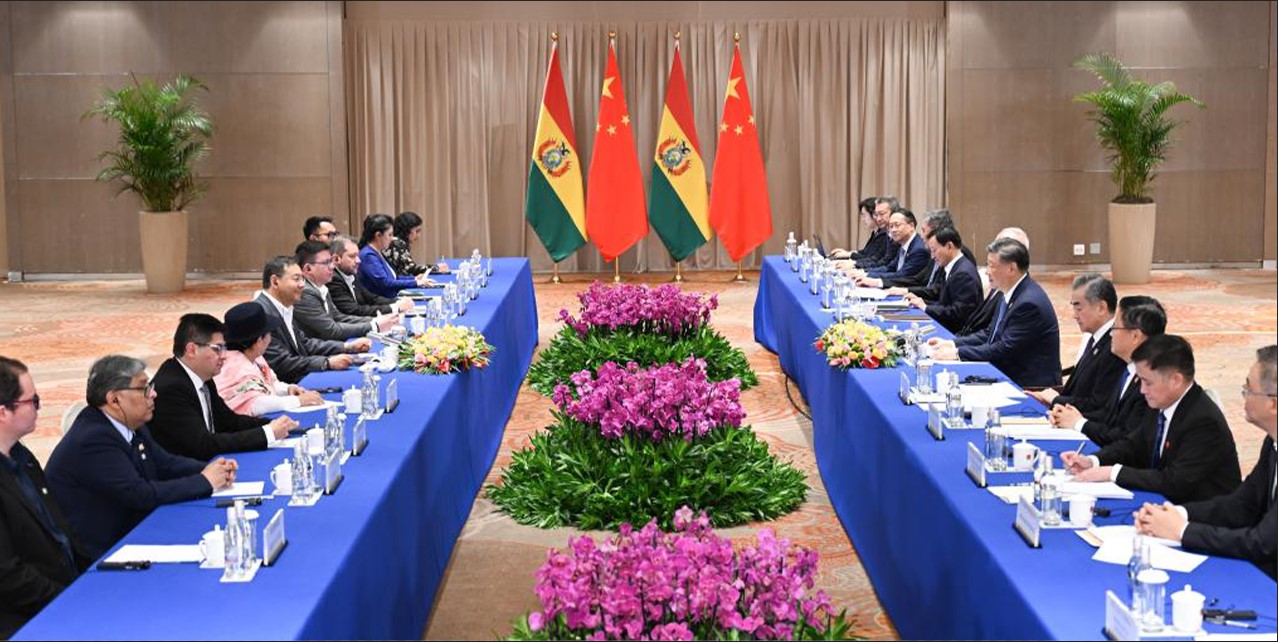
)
(1002, 117)
(1209, 216)
(268, 125)
(1073, 133)
(245, 221)
(1021, 35)
(248, 37)
(1225, 135)
(77, 226)
(89, 37)
(1271, 152)
(1193, 34)
(53, 142)
(669, 10)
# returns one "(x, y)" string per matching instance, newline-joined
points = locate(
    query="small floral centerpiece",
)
(444, 350)
(663, 310)
(685, 585)
(855, 344)
(674, 399)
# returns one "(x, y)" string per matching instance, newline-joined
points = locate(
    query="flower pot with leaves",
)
(163, 134)
(1135, 131)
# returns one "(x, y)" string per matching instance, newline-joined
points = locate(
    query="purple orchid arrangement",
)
(663, 310)
(689, 584)
(674, 399)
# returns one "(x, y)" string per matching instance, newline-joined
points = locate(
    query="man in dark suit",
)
(348, 296)
(1244, 523)
(292, 354)
(314, 311)
(1139, 318)
(1024, 339)
(107, 474)
(983, 315)
(911, 252)
(1097, 370)
(959, 284)
(191, 419)
(924, 277)
(38, 554)
(1185, 452)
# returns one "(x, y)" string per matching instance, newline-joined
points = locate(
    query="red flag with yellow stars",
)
(616, 217)
(739, 207)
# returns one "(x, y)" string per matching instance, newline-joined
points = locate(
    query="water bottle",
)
(1040, 471)
(1139, 562)
(302, 478)
(923, 376)
(790, 245)
(814, 286)
(341, 431)
(247, 554)
(370, 395)
(995, 442)
(232, 546)
(488, 268)
(827, 294)
(1050, 494)
(954, 405)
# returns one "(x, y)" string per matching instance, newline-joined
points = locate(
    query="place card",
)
(273, 538)
(392, 396)
(1120, 622)
(935, 425)
(359, 438)
(332, 472)
(1028, 523)
(976, 465)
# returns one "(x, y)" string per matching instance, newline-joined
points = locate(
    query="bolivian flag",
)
(677, 201)
(554, 205)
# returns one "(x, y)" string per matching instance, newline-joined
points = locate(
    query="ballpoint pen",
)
(1241, 625)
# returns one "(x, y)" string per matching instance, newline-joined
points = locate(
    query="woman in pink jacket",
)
(247, 383)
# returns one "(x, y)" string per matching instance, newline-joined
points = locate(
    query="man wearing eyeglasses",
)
(108, 473)
(38, 555)
(315, 312)
(1244, 523)
(191, 418)
(319, 228)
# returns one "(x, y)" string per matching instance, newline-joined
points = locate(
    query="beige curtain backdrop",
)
(442, 116)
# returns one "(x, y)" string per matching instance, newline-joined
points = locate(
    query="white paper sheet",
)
(1012, 494)
(322, 406)
(1119, 551)
(241, 489)
(1043, 432)
(1099, 490)
(287, 444)
(873, 294)
(157, 554)
(1126, 533)
(958, 362)
(1006, 389)
(1236, 637)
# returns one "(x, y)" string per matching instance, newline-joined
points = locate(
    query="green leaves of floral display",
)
(570, 476)
(569, 353)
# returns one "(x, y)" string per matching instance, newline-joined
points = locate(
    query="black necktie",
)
(1156, 457)
(1087, 352)
(207, 407)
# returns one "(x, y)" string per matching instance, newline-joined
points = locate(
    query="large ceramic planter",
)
(1131, 241)
(163, 250)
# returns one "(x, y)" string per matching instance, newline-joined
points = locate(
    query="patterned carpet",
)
(60, 328)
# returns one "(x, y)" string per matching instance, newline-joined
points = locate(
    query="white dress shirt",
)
(1094, 338)
(1168, 413)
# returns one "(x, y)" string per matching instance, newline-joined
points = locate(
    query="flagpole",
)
(678, 272)
(555, 277)
(740, 278)
(616, 270)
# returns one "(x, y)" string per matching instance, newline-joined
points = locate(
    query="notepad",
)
(1012, 494)
(1099, 490)
(1043, 432)
(242, 489)
(321, 406)
(1119, 551)
(287, 444)
(164, 554)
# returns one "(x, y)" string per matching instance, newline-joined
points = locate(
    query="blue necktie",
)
(900, 258)
(998, 318)
(1157, 456)
(1122, 385)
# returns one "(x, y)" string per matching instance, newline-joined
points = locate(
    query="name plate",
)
(976, 465)
(1028, 523)
(332, 472)
(359, 438)
(935, 425)
(1120, 622)
(903, 392)
(392, 395)
(273, 539)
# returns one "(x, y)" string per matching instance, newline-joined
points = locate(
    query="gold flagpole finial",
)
(736, 37)
(678, 34)
(612, 35)
(554, 35)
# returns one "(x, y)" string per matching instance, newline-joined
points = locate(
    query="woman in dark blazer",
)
(376, 274)
(408, 227)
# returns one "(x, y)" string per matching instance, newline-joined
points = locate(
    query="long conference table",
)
(941, 552)
(363, 563)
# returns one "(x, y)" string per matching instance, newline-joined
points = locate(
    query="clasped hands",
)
(221, 473)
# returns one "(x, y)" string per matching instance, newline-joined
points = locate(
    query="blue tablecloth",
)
(365, 562)
(941, 553)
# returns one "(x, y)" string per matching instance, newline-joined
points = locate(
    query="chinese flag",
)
(739, 207)
(616, 216)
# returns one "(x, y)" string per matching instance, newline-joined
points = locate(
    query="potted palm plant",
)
(163, 134)
(1133, 128)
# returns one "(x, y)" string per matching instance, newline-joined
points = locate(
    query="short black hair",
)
(867, 205)
(909, 216)
(947, 236)
(307, 251)
(196, 327)
(372, 225)
(11, 370)
(1011, 251)
(313, 223)
(404, 224)
(1143, 313)
(276, 267)
(1166, 352)
(1097, 288)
